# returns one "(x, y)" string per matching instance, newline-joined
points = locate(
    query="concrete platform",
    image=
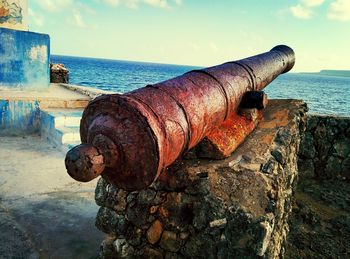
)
(56, 96)
(43, 212)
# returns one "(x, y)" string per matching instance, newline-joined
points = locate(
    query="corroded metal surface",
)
(227, 136)
(149, 128)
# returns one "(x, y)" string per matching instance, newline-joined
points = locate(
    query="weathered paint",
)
(14, 14)
(24, 59)
(19, 116)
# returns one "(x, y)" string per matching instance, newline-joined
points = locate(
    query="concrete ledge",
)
(232, 208)
(54, 92)
(20, 110)
(88, 91)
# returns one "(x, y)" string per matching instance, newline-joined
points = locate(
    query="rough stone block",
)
(59, 74)
(232, 208)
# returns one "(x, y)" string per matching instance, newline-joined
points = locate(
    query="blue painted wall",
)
(24, 59)
(19, 117)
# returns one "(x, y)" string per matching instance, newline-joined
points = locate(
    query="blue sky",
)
(197, 32)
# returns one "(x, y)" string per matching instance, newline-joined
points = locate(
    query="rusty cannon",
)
(131, 139)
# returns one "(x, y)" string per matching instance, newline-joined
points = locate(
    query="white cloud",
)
(112, 2)
(157, 3)
(37, 19)
(85, 8)
(312, 3)
(339, 10)
(301, 12)
(304, 10)
(78, 19)
(54, 5)
(133, 4)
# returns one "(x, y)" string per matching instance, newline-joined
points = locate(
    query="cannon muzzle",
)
(130, 139)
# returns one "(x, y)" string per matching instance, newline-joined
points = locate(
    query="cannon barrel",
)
(131, 138)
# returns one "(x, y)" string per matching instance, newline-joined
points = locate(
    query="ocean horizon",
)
(324, 94)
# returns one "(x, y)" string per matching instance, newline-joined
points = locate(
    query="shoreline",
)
(324, 74)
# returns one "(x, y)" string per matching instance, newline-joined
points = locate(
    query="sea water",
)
(323, 94)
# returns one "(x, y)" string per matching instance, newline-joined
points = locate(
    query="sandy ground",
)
(43, 212)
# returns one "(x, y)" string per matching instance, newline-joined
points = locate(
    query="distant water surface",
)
(117, 75)
(324, 94)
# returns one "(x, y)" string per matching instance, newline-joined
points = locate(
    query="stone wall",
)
(325, 148)
(232, 208)
(320, 222)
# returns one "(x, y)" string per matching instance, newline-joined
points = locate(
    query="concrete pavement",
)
(43, 212)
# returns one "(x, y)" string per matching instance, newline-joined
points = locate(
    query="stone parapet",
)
(325, 148)
(232, 208)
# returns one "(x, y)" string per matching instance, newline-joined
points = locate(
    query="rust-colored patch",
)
(225, 138)
(4, 12)
(268, 138)
(155, 232)
(163, 212)
(153, 209)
